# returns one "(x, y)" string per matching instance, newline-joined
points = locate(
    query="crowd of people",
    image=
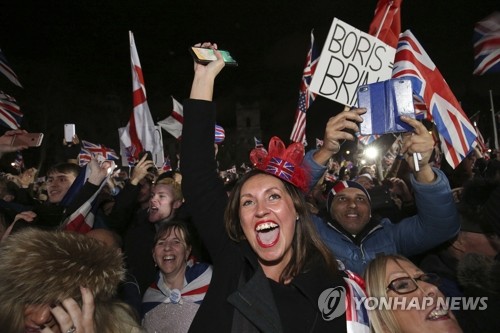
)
(294, 244)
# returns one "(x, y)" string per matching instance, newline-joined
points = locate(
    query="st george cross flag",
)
(7, 71)
(306, 97)
(386, 23)
(89, 150)
(455, 130)
(140, 130)
(10, 112)
(487, 45)
(173, 123)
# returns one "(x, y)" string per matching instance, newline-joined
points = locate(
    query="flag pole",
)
(389, 4)
(495, 134)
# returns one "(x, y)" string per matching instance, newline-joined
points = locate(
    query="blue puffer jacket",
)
(436, 222)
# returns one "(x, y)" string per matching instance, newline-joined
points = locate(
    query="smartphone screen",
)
(69, 132)
(204, 56)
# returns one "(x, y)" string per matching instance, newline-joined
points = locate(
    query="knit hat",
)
(341, 185)
(284, 163)
(43, 267)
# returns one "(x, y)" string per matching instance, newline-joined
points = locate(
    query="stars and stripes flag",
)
(306, 97)
(457, 135)
(173, 123)
(6, 70)
(220, 134)
(139, 132)
(10, 112)
(487, 45)
(89, 150)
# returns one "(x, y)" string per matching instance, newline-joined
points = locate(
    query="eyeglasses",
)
(405, 285)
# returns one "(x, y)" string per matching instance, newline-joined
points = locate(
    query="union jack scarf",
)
(197, 280)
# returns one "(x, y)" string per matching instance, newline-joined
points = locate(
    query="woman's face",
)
(37, 315)
(268, 218)
(427, 316)
(171, 253)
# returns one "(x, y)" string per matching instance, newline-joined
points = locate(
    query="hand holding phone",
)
(203, 55)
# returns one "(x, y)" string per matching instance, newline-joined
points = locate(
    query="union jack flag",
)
(280, 168)
(306, 97)
(90, 149)
(10, 114)
(367, 139)
(455, 130)
(356, 315)
(487, 45)
(7, 71)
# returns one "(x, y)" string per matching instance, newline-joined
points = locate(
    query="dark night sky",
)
(73, 57)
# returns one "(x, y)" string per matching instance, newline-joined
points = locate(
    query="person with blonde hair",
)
(61, 282)
(405, 299)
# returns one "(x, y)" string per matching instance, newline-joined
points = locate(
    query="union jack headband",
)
(284, 163)
(339, 187)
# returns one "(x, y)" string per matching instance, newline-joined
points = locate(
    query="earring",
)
(297, 218)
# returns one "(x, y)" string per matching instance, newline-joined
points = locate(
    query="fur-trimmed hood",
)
(476, 271)
(44, 267)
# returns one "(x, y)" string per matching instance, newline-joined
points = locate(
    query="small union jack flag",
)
(166, 165)
(90, 149)
(10, 112)
(280, 168)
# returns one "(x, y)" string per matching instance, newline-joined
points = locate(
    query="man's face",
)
(162, 204)
(351, 209)
(58, 184)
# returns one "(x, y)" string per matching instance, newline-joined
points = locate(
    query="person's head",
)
(165, 199)
(365, 180)
(60, 177)
(106, 237)
(348, 203)
(397, 280)
(268, 210)
(53, 267)
(172, 248)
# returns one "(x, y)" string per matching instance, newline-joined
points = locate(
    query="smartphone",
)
(204, 55)
(69, 132)
(27, 139)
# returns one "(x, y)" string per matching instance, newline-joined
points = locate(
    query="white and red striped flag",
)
(139, 132)
(306, 97)
(173, 123)
(457, 135)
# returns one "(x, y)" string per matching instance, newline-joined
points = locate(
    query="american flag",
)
(480, 140)
(89, 150)
(280, 168)
(487, 45)
(10, 112)
(220, 134)
(139, 132)
(7, 71)
(306, 97)
(455, 130)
